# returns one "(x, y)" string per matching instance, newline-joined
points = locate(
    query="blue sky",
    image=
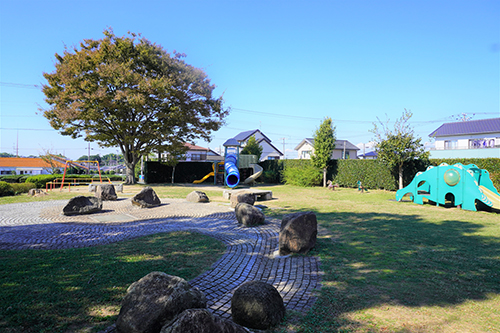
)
(282, 65)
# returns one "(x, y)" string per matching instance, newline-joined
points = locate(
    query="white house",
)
(26, 166)
(197, 153)
(343, 149)
(467, 139)
(269, 151)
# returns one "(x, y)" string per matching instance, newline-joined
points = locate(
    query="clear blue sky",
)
(282, 65)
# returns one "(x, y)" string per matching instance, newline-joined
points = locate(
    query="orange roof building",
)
(26, 166)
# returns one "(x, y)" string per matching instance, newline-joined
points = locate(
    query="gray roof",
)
(468, 127)
(339, 144)
(243, 136)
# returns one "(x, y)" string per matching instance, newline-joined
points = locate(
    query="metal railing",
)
(61, 183)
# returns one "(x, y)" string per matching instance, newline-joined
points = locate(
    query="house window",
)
(305, 154)
(198, 157)
(273, 158)
(450, 144)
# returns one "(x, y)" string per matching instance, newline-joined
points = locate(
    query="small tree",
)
(399, 145)
(253, 148)
(49, 158)
(324, 143)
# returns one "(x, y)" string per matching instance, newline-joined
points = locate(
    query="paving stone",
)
(248, 256)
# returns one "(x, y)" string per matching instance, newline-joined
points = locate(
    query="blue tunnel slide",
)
(232, 172)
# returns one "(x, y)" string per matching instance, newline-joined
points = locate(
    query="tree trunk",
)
(130, 174)
(173, 172)
(400, 177)
(324, 177)
(130, 162)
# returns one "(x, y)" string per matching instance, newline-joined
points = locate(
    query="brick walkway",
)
(249, 254)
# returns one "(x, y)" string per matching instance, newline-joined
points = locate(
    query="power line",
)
(20, 85)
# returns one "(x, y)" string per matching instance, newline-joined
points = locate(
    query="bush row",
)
(41, 180)
(372, 173)
(7, 189)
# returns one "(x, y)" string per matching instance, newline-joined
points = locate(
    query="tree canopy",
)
(399, 145)
(324, 143)
(130, 93)
(253, 148)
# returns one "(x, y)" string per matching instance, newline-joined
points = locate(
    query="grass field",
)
(388, 266)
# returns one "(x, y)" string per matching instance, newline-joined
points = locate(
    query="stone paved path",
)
(249, 254)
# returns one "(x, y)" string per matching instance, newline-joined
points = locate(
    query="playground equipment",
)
(461, 185)
(231, 162)
(215, 168)
(257, 171)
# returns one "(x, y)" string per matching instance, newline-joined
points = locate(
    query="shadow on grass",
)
(76, 289)
(370, 259)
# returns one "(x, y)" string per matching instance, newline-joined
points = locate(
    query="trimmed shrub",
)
(41, 180)
(6, 189)
(22, 187)
(372, 173)
(13, 178)
(305, 176)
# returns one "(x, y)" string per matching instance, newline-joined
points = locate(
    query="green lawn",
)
(388, 267)
(397, 266)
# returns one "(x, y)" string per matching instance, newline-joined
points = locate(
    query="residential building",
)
(343, 149)
(197, 153)
(26, 166)
(269, 151)
(371, 155)
(467, 139)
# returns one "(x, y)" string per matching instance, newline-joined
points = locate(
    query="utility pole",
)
(284, 154)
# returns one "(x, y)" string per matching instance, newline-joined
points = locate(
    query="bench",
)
(259, 194)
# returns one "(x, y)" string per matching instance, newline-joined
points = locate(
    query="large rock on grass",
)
(236, 198)
(201, 321)
(298, 233)
(154, 301)
(258, 305)
(197, 196)
(249, 215)
(146, 198)
(82, 205)
(106, 192)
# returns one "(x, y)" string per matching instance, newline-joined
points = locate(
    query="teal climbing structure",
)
(462, 185)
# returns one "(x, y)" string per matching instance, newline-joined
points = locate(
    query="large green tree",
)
(130, 93)
(397, 145)
(253, 148)
(324, 143)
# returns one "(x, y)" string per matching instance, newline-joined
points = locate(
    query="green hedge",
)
(6, 189)
(41, 180)
(22, 187)
(302, 175)
(372, 174)
(14, 178)
(185, 172)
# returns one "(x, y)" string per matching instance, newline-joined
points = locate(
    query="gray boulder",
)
(249, 215)
(248, 198)
(154, 301)
(257, 305)
(298, 233)
(82, 205)
(201, 321)
(146, 198)
(106, 192)
(197, 196)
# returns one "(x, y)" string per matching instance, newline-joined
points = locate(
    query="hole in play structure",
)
(449, 200)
